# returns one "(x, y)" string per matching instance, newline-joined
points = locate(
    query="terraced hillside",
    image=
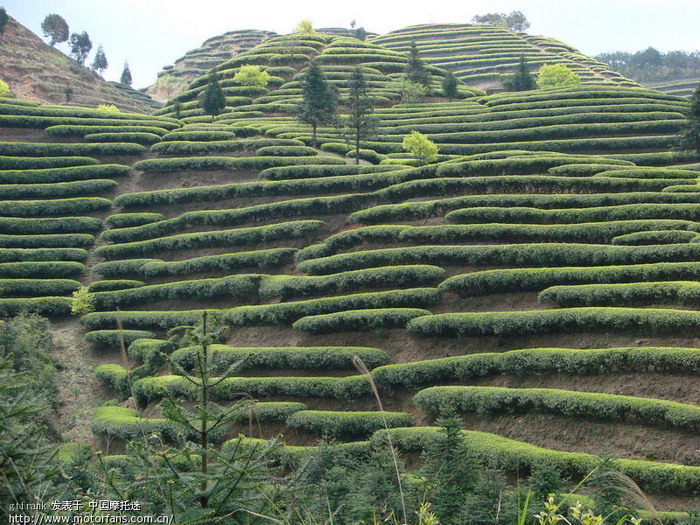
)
(35, 71)
(540, 276)
(175, 78)
(681, 88)
(483, 56)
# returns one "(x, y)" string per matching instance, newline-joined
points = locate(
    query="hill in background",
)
(36, 71)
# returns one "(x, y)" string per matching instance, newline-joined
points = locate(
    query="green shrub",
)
(307, 172)
(129, 220)
(358, 320)
(129, 136)
(226, 163)
(41, 305)
(112, 338)
(654, 237)
(182, 147)
(536, 279)
(47, 207)
(108, 286)
(56, 190)
(347, 423)
(24, 149)
(55, 269)
(282, 358)
(570, 320)
(56, 240)
(42, 254)
(83, 131)
(288, 286)
(496, 400)
(125, 423)
(74, 173)
(287, 151)
(37, 163)
(49, 226)
(672, 292)
(34, 287)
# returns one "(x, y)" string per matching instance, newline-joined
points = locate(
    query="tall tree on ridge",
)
(361, 119)
(319, 104)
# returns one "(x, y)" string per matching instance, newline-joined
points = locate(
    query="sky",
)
(150, 34)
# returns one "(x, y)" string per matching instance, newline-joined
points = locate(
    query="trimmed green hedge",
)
(227, 163)
(498, 400)
(49, 226)
(358, 320)
(77, 130)
(39, 305)
(112, 338)
(56, 190)
(569, 320)
(42, 254)
(54, 240)
(347, 423)
(32, 149)
(108, 286)
(564, 254)
(287, 151)
(310, 172)
(57, 174)
(282, 357)
(38, 163)
(125, 423)
(270, 314)
(658, 236)
(569, 361)
(220, 238)
(184, 147)
(234, 287)
(138, 138)
(34, 287)
(130, 220)
(289, 286)
(516, 456)
(41, 208)
(672, 292)
(536, 279)
(56, 269)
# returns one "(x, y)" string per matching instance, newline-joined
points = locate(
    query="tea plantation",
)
(540, 275)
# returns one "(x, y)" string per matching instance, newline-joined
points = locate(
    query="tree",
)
(515, 21)
(3, 20)
(410, 91)
(99, 64)
(319, 104)
(415, 70)
(55, 27)
(252, 76)
(522, 79)
(449, 85)
(421, 147)
(212, 99)
(361, 119)
(126, 75)
(555, 76)
(690, 137)
(361, 34)
(80, 46)
(305, 27)
(4, 88)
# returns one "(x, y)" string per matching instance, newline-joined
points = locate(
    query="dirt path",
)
(79, 390)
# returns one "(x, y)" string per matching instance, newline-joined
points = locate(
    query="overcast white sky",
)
(153, 33)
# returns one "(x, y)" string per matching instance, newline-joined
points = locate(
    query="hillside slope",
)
(36, 71)
(540, 275)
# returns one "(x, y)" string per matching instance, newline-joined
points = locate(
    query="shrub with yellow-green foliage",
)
(249, 75)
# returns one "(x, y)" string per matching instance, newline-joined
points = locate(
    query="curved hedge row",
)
(517, 456)
(570, 361)
(347, 423)
(685, 293)
(282, 357)
(569, 320)
(564, 254)
(289, 286)
(130, 220)
(42, 254)
(65, 174)
(220, 238)
(358, 320)
(49, 226)
(56, 269)
(38, 163)
(535, 279)
(56, 190)
(270, 314)
(109, 286)
(77, 130)
(34, 287)
(227, 262)
(39, 305)
(32, 149)
(235, 287)
(132, 136)
(184, 147)
(54, 240)
(43, 208)
(437, 208)
(113, 338)
(658, 236)
(497, 400)
(227, 163)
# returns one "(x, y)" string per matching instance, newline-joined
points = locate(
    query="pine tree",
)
(361, 120)
(522, 80)
(212, 99)
(126, 75)
(99, 64)
(319, 103)
(690, 139)
(449, 85)
(415, 69)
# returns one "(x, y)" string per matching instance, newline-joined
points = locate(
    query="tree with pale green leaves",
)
(421, 147)
(249, 75)
(305, 27)
(556, 76)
